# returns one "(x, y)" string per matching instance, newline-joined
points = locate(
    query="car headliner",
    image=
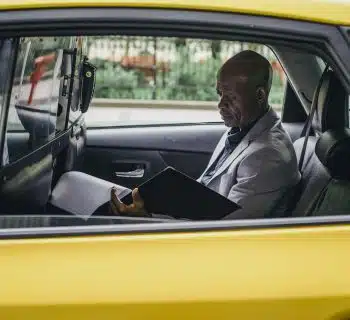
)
(324, 11)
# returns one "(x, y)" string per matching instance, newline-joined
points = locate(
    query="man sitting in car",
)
(254, 163)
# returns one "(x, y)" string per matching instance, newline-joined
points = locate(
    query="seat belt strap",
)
(307, 127)
(295, 196)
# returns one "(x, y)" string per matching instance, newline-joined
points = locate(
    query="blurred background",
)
(174, 76)
(140, 80)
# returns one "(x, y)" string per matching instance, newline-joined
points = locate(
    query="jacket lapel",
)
(265, 123)
(235, 153)
(217, 152)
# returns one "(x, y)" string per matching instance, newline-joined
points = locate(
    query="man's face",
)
(235, 101)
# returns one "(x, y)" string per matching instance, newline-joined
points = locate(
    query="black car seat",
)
(333, 151)
(330, 114)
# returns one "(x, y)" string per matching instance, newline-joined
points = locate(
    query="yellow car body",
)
(292, 273)
(285, 272)
(326, 11)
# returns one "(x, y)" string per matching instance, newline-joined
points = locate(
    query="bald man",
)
(254, 163)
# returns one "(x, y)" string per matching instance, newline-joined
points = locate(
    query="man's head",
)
(243, 84)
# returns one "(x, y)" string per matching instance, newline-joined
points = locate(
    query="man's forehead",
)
(226, 83)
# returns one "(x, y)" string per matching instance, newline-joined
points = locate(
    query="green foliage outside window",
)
(184, 79)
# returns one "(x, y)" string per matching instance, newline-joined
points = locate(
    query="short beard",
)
(235, 119)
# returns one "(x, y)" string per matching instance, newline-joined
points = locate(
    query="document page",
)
(81, 194)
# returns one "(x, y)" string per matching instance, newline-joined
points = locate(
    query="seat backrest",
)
(314, 177)
(330, 114)
(332, 105)
(333, 151)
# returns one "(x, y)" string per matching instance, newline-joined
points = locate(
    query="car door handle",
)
(137, 173)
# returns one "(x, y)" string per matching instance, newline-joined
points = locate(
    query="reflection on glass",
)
(35, 93)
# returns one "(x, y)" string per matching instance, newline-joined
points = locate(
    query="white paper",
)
(81, 194)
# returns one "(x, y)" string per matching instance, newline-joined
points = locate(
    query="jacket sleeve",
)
(262, 179)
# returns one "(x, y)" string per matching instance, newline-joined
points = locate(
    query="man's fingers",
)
(113, 194)
(116, 204)
(136, 196)
(113, 208)
(118, 207)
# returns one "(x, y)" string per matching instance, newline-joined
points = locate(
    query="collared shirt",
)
(233, 139)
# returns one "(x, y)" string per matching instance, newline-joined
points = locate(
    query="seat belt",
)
(295, 191)
(307, 127)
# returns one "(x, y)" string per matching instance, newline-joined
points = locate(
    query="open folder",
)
(171, 192)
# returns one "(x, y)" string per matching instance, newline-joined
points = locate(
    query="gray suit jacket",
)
(261, 169)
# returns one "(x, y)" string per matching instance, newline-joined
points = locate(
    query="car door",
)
(127, 268)
(267, 273)
(129, 156)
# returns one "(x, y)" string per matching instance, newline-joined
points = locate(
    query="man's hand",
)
(136, 209)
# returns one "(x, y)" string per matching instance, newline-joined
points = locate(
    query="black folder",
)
(173, 193)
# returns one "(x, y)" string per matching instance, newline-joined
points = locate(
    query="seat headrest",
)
(333, 150)
(332, 104)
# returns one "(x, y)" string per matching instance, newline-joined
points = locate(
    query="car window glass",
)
(147, 80)
(35, 94)
(7, 53)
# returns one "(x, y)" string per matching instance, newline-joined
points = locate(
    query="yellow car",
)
(55, 55)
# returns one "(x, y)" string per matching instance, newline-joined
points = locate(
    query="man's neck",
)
(251, 123)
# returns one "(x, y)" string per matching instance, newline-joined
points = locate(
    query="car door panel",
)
(106, 163)
(193, 164)
(114, 154)
(189, 138)
(243, 274)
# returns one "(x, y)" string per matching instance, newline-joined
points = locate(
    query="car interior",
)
(46, 142)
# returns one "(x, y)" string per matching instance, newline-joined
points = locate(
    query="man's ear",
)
(261, 95)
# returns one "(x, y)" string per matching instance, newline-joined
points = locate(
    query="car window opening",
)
(106, 129)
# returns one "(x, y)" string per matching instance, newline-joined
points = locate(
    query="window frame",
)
(317, 38)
